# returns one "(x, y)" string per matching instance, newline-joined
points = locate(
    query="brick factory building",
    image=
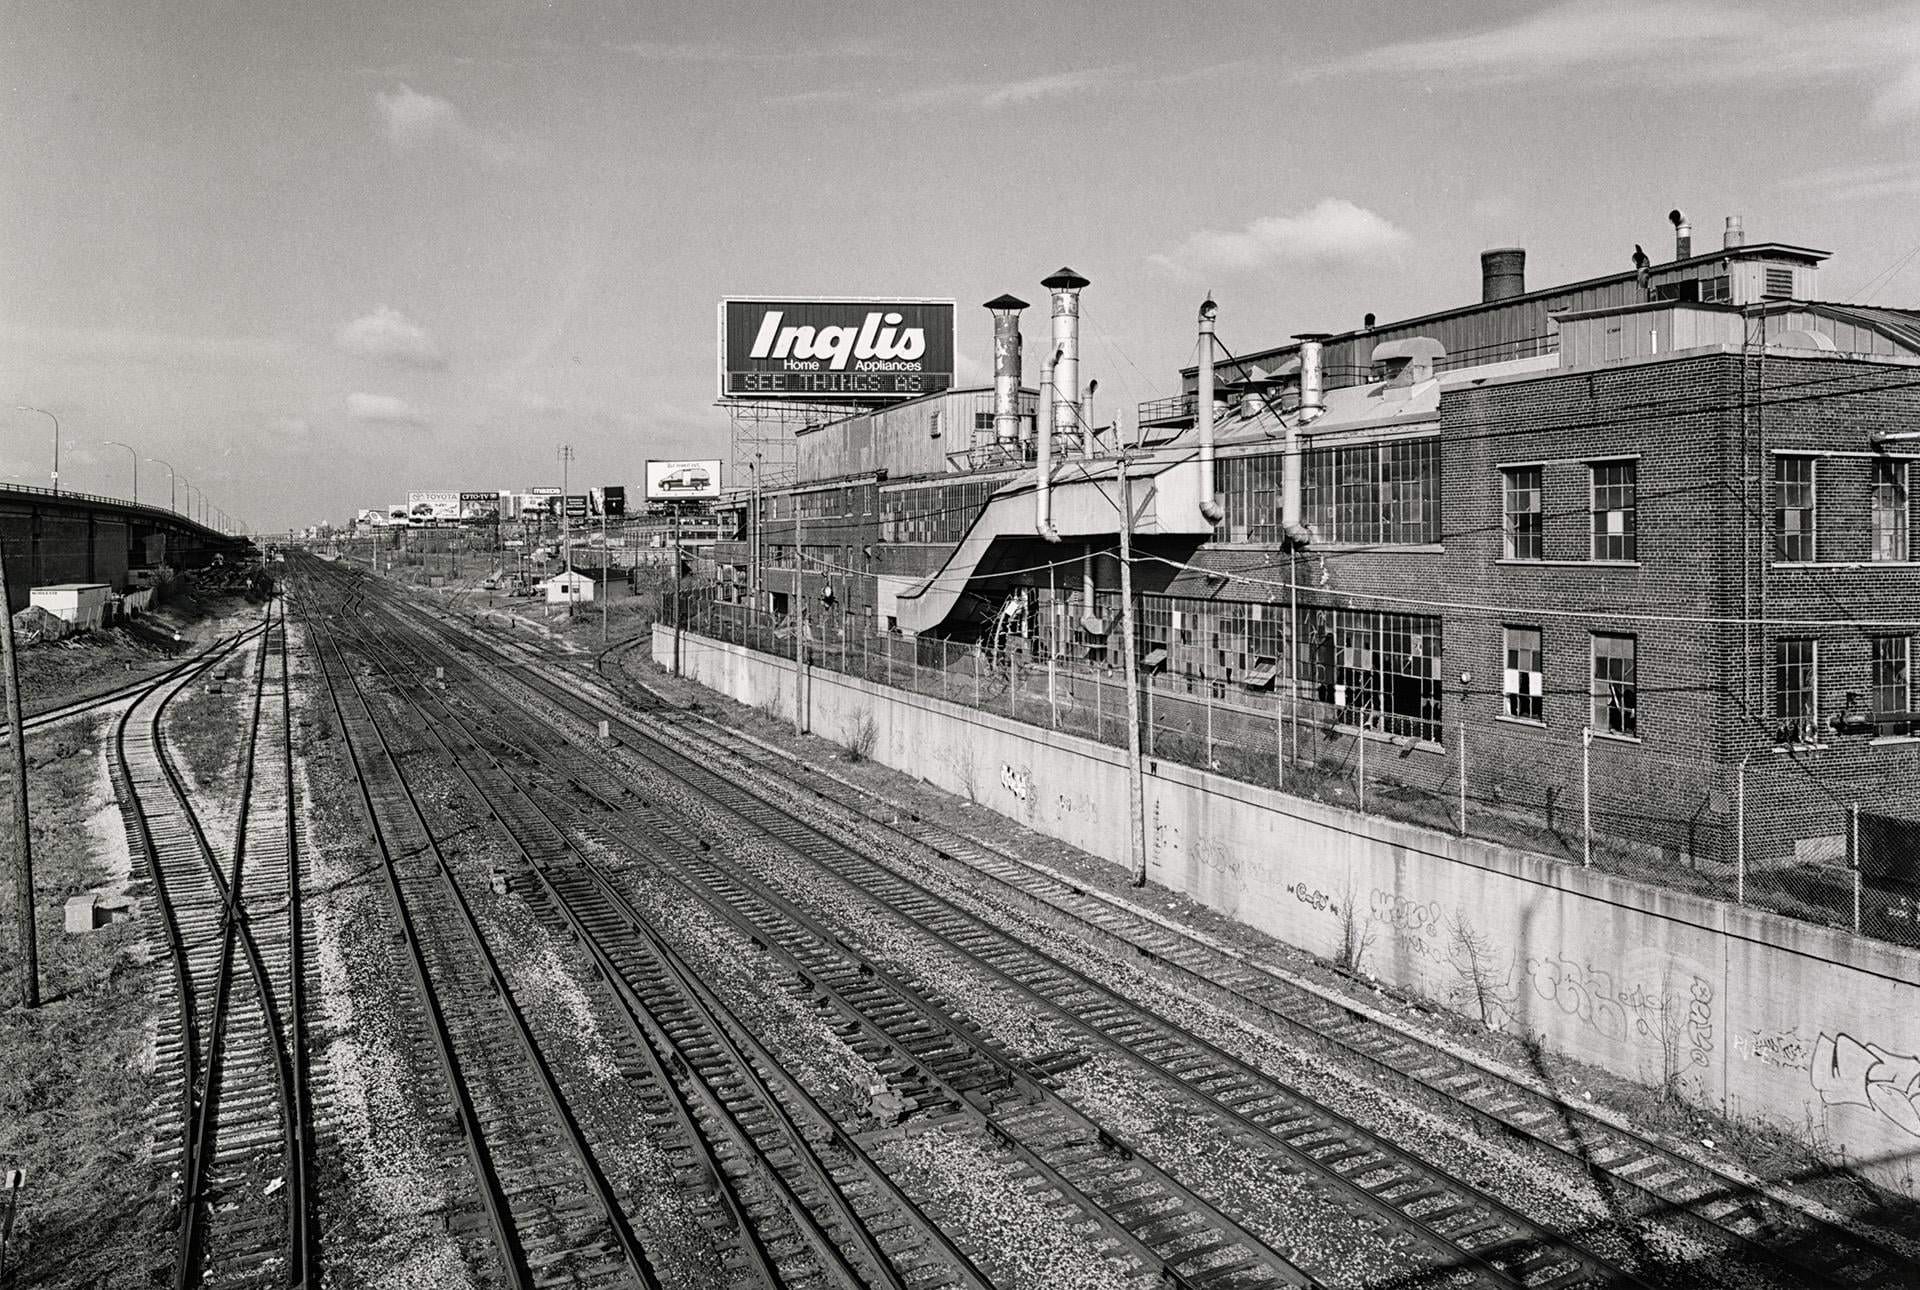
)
(1666, 506)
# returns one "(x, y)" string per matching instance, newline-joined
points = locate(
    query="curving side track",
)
(241, 1138)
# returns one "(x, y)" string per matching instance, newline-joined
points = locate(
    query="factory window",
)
(1525, 519)
(1889, 510)
(1893, 686)
(1522, 679)
(1796, 688)
(1385, 492)
(1615, 693)
(1716, 290)
(1250, 488)
(1386, 672)
(1615, 488)
(1794, 514)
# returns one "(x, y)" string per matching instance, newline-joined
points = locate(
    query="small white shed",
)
(568, 588)
(84, 604)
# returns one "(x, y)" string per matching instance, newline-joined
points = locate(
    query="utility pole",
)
(799, 624)
(676, 588)
(22, 829)
(1136, 788)
(566, 526)
(604, 584)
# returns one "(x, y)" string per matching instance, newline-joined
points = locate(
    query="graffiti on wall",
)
(1309, 896)
(1416, 925)
(1017, 780)
(1849, 1072)
(1787, 1049)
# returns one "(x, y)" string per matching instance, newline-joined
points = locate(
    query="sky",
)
(315, 255)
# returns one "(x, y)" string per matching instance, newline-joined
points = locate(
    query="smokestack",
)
(1313, 403)
(1735, 234)
(1065, 286)
(1503, 273)
(1043, 462)
(1682, 235)
(1006, 367)
(1203, 414)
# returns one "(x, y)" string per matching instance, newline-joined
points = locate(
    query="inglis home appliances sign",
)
(834, 350)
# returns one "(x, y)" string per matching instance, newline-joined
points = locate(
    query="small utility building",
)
(83, 604)
(568, 588)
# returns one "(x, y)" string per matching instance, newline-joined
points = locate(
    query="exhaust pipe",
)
(1736, 234)
(1043, 463)
(1006, 367)
(1313, 403)
(1203, 414)
(1065, 286)
(1682, 235)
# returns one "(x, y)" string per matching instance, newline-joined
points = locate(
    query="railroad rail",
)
(551, 1211)
(56, 713)
(1452, 1224)
(234, 932)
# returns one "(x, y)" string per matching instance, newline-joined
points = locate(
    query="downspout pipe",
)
(1203, 415)
(1043, 463)
(1313, 403)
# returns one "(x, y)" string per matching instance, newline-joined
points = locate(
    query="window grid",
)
(1615, 693)
(1388, 665)
(1893, 685)
(1889, 510)
(1795, 517)
(1384, 492)
(1522, 679)
(1615, 488)
(1525, 517)
(1796, 688)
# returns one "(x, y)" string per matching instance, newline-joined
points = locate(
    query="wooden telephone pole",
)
(22, 829)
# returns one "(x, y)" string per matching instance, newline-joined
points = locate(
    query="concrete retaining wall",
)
(1760, 1015)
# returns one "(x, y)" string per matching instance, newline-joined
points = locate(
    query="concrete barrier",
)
(1813, 1029)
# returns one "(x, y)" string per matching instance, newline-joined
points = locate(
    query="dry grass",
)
(74, 1090)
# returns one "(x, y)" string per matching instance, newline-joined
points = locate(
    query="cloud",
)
(1875, 181)
(388, 336)
(1641, 43)
(986, 96)
(291, 428)
(1333, 232)
(383, 409)
(708, 53)
(412, 121)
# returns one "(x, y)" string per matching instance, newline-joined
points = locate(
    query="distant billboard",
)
(610, 500)
(480, 508)
(577, 507)
(396, 512)
(669, 481)
(433, 507)
(828, 349)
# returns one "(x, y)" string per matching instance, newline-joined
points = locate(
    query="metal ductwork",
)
(1313, 404)
(1006, 367)
(1503, 273)
(1065, 286)
(1682, 235)
(1203, 414)
(1736, 234)
(1043, 462)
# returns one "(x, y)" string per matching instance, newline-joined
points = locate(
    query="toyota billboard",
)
(834, 350)
(433, 507)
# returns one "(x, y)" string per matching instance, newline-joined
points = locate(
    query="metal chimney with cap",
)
(1735, 236)
(1503, 273)
(1682, 235)
(1065, 286)
(1006, 367)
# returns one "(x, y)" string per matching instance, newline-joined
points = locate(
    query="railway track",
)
(92, 703)
(866, 1202)
(240, 1136)
(1644, 1178)
(550, 1213)
(1451, 1226)
(1647, 1178)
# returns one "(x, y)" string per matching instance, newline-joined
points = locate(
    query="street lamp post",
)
(171, 504)
(115, 443)
(22, 407)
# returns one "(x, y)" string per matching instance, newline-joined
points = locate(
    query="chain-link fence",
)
(1837, 863)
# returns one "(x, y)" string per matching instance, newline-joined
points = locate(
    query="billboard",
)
(610, 500)
(576, 506)
(828, 349)
(669, 481)
(433, 507)
(480, 508)
(396, 513)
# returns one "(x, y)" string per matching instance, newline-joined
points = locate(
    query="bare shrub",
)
(861, 738)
